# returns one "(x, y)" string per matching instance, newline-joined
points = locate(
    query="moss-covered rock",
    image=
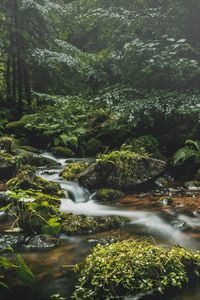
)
(72, 170)
(8, 166)
(106, 195)
(24, 157)
(122, 170)
(26, 179)
(29, 149)
(80, 224)
(131, 267)
(8, 144)
(60, 151)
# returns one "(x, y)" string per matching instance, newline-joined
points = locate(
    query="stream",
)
(54, 267)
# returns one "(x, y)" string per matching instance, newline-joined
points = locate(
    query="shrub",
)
(132, 267)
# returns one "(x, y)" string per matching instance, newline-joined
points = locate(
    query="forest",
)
(100, 149)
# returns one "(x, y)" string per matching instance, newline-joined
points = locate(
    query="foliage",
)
(132, 267)
(18, 266)
(35, 212)
(191, 152)
(146, 144)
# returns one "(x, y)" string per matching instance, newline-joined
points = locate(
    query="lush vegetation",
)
(133, 267)
(116, 82)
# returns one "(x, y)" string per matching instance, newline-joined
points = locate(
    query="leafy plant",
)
(191, 151)
(133, 267)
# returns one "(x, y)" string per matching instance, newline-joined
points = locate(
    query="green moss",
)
(8, 144)
(35, 212)
(26, 179)
(105, 195)
(78, 224)
(62, 152)
(30, 149)
(133, 267)
(71, 171)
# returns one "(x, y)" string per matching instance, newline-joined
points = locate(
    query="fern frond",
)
(182, 155)
(193, 144)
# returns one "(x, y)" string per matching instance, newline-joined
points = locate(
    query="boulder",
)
(41, 241)
(81, 224)
(121, 170)
(26, 179)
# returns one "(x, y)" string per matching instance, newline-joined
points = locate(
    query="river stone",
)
(193, 185)
(11, 240)
(143, 170)
(181, 225)
(41, 241)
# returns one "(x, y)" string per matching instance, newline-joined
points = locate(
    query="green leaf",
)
(24, 273)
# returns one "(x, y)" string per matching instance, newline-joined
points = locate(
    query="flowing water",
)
(54, 268)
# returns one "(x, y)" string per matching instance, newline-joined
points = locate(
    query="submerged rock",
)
(79, 224)
(121, 170)
(181, 225)
(41, 241)
(165, 201)
(11, 240)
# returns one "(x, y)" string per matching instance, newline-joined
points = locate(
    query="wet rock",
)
(193, 185)
(72, 170)
(26, 179)
(25, 157)
(81, 224)
(165, 201)
(142, 195)
(42, 241)
(106, 195)
(180, 225)
(62, 152)
(121, 170)
(162, 182)
(11, 240)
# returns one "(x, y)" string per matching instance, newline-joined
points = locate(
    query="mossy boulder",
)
(81, 224)
(72, 170)
(123, 170)
(60, 151)
(8, 166)
(29, 149)
(105, 195)
(24, 157)
(26, 179)
(8, 144)
(130, 268)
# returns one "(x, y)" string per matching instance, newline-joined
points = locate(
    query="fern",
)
(182, 155)
(191, 151)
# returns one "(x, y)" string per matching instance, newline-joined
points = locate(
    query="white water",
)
(79, 201)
